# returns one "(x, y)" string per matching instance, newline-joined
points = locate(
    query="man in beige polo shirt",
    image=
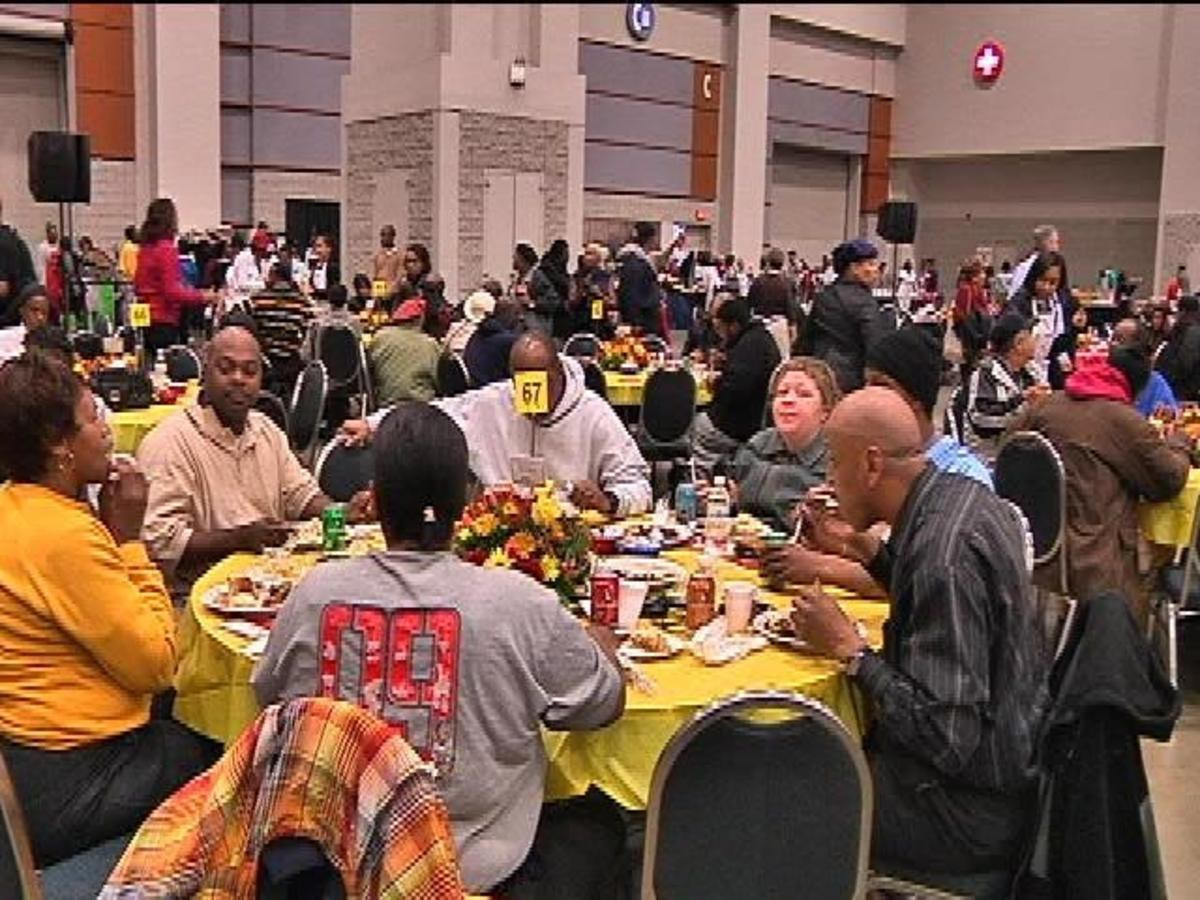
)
(223, 478)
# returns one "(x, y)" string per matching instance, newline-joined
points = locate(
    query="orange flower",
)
(520, 545)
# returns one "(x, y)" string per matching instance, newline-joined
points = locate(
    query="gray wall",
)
(281, 71)
(1105, 204)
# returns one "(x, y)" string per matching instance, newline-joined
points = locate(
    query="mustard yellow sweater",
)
(87, 632)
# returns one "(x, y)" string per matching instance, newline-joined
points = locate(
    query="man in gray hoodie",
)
(579, 440)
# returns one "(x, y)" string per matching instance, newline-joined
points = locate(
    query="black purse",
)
(123, 388)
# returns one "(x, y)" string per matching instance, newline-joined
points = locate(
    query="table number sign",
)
(531, 393)
(597, 310)
(379, 290)
(139, 315)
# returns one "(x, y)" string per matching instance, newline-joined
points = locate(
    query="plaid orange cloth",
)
(311, 768)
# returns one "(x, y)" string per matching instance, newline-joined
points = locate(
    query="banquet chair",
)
(308, 406)
(452, 378)
(343, 470)
(593, 379)
(582, 346)
(668, 409)
(955, 414)
(183, 364)
(1178, 598)
(341, 351)
(273, 408)
(792, 817)
(16, 855)
(1029, 473)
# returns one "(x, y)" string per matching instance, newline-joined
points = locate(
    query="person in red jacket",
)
(158, 280)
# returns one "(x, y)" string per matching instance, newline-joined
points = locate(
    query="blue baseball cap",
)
(851, 252)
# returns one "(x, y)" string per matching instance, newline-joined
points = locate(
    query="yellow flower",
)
(550, 568)
(546, 510)
(498, 560)
(485, 524)
(464, 535)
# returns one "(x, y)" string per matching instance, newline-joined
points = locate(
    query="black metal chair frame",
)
(266, 398)
(360, 381)
(1169, 609)
(581, 337)
(186, 351)
(1042, 443)
(737, 705)
(449, 359)
(305, 452)
(17, 838)
(323, 460)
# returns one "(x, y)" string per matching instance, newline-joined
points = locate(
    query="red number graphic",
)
(401, 665)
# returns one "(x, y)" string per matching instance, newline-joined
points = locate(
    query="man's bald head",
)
(233, 375)
(878, 417)
(877, 452)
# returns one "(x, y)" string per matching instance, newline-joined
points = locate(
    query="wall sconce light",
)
(516, 72)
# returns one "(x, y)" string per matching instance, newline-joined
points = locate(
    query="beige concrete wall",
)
(186, 111)
(801, 53)
(113, 205)
(885, 23)
(1179, 242)
(693, 31)
(1075, 77)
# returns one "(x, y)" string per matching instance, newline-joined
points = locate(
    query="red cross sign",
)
(989, 62)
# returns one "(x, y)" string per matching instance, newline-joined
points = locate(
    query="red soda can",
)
(604, 598)
(701, 601)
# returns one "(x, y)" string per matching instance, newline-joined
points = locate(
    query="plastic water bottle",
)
(718, 523)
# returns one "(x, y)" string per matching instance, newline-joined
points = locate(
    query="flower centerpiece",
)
(622, 351)
(530, 531)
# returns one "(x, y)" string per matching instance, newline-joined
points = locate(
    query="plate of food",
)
(664, 536)
(306, 537)
(251, 593)
(776, 626)
(648, 642)
(658, 572)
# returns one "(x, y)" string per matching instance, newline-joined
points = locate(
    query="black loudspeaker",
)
(60, 167)
(897, 222)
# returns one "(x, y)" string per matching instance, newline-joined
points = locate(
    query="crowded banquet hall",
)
(599, 451)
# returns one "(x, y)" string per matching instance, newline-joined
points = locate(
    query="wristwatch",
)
(851, 666)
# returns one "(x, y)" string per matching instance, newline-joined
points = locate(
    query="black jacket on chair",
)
(1097, 836)
(741, 393)
(844, 323)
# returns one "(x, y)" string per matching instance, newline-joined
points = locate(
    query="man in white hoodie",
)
(580, 440)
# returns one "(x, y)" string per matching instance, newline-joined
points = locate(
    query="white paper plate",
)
(217, 600)
(637, 654)
(642, 568)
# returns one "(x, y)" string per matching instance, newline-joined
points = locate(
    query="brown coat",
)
(1113, 458)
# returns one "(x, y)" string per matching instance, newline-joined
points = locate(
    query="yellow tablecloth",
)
(215, 697)
(1170, 523)
(627, 390)
(130, 426)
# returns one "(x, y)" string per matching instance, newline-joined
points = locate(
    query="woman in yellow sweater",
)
(87, 632)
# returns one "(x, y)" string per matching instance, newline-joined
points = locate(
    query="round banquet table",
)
(1170, 523)
(628, 389)
(130, 426)
(214, 695)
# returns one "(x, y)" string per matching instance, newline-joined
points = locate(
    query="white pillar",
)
(185, 110)
(744, 152)
(575, 135)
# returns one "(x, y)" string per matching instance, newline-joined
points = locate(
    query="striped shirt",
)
(961, 682)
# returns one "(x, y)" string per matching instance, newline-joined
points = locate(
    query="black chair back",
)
(955, 415)
(273, 408)
(668, 405)
(655, 344)
(340, 349)
(582, 346)
(308, 405)
(87, 345)
(17, 872)
(342, 471)
(294, 868)
(183, 364)
(1030, 474)
(451, 376)
(593, 379)
(776, 807)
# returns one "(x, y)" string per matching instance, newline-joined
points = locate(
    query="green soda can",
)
(333, 528)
